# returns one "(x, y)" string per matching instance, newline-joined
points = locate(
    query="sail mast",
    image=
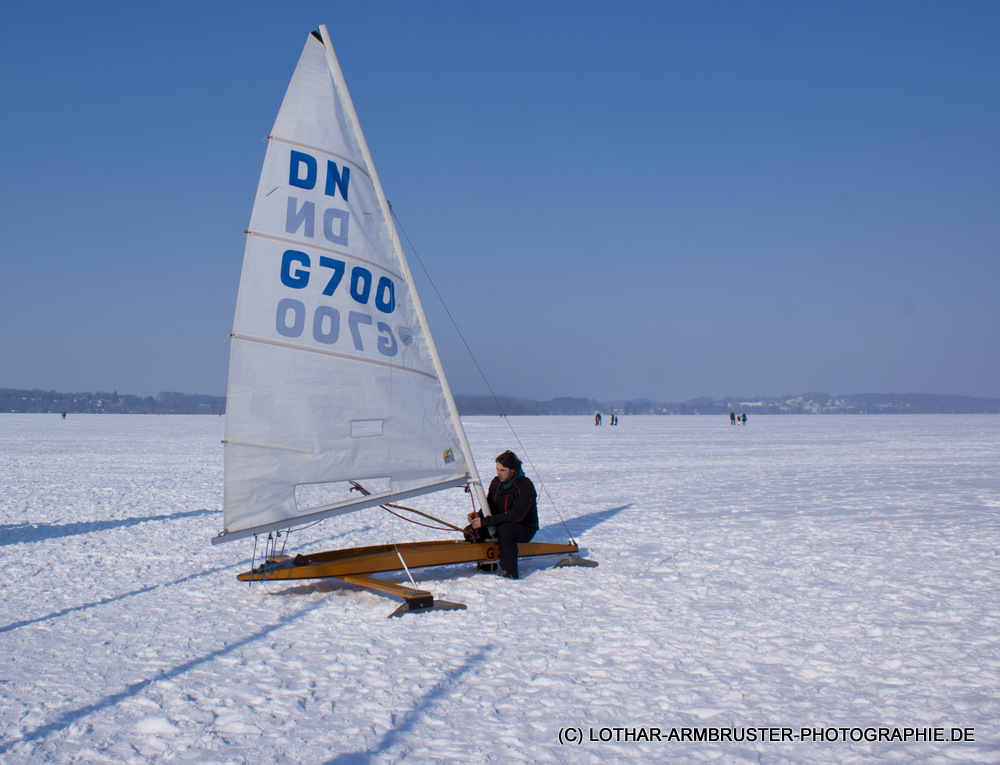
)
(348, 103)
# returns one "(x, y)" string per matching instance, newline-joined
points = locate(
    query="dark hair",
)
(510, 461)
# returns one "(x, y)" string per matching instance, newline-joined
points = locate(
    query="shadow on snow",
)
(97, 603)
(132, 689)
(582, 524)
(20, 533)
(421, 706)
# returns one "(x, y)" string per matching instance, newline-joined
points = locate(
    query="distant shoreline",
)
(18, 401)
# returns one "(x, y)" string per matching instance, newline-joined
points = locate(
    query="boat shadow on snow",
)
(443, 689)
(21, 533)
(114, 598)
(582, 524)
(69, 717)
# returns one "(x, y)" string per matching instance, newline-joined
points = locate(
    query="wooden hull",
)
(357, 566)
(362, 561)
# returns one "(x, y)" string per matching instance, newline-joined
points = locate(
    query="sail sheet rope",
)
(479, 369)
(389, 508)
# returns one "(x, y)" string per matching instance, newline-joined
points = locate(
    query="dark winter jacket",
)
(514, 502)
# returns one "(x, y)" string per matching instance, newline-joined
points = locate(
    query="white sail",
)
(333, 374)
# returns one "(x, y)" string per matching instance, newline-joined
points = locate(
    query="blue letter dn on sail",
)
(304, 169)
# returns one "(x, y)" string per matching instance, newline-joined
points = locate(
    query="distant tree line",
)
(37, 401)
(809, 403)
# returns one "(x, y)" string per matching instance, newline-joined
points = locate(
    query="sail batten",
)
(332, 362)
(267, 446)
(316, 149)
(336, 354)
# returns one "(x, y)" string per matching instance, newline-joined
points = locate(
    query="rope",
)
(479, 369)
(446, 527)
(355, 486)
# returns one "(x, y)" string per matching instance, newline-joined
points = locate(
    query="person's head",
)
(508, 466)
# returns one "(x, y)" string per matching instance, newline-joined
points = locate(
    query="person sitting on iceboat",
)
(514, 509)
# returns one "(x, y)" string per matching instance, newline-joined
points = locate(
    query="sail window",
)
(366, 428)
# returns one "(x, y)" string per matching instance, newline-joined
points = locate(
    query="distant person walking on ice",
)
(743, 417)
(732, 418)
(597, 418)
(514, 518)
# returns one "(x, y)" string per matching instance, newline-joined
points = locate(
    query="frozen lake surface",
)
(795, 578)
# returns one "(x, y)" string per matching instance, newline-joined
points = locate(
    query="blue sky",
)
(616, 200)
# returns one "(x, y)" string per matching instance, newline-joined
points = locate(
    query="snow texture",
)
(796, 572)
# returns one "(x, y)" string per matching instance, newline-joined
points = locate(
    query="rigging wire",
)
(360, 488)
(253, 559)
(388, 459)
(479, 369)
(270, 550)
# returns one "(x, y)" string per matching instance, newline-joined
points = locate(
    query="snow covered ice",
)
(815, 573)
